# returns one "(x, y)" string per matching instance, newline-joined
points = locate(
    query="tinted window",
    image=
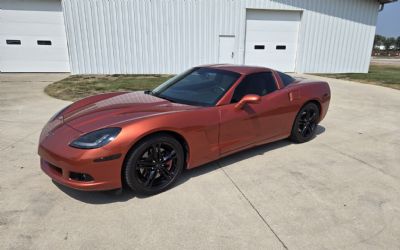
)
(199, 86)
(259, 47)
(44, 42)
(13, 42)
(280, 47)
(286, 79)
(259, 84)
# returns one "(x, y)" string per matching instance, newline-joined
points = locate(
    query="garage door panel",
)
(271, 39)
(23, 16)
(44, 54)
(264, 57)
(270, 50)
(273, 15)
(268, 33)
(31, 41)
(41, 34)
(31, 29)
(269, 45)
(272, 26)
(34, 66)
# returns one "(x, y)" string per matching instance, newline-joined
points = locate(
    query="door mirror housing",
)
(248, 99)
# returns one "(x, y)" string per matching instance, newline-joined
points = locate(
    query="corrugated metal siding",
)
(169, 36)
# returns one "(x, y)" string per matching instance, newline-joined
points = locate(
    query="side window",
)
(286, 79)
(259, 84)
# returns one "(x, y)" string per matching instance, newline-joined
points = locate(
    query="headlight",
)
(96, 139)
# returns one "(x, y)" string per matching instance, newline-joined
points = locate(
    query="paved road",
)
(341, 190)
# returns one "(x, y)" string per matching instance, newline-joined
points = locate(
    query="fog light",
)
(80, 177)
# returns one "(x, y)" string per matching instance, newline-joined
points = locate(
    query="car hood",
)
(112, 109)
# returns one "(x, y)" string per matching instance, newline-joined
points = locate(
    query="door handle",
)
(233, 54)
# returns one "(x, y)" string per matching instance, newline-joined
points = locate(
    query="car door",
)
(254, 122)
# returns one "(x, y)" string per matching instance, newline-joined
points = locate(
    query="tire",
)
(305, 124)
(154, 164)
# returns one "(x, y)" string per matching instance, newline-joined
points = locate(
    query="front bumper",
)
(62, 176)
(78, 168)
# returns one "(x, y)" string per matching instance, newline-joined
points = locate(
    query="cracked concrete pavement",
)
(339, 191)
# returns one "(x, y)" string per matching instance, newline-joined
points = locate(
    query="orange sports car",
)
(143, 140)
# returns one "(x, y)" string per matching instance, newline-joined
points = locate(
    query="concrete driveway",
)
(339, 191)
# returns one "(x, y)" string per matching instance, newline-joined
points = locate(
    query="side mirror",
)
(248, 99)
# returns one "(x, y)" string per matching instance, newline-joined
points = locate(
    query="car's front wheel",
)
(154, 164)
(305, 124)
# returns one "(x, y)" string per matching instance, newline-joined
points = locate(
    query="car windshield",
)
(197, 86)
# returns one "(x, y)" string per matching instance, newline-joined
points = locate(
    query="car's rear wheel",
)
(305, 124)
(154, 164)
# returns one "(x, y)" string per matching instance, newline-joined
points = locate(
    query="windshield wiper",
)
(149, 92)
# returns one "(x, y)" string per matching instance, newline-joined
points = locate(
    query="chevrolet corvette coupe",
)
(143, 140)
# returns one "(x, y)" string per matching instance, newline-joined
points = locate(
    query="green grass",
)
(386, 57)
(383, 75)
(79, 86)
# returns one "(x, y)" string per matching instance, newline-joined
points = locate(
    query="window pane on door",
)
(13, 42)
(259, 84)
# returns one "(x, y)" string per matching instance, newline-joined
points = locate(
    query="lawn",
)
(79, 86)
(384, 75)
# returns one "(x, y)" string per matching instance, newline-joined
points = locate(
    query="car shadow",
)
(97, 197)
(122, 195)
(239, 156)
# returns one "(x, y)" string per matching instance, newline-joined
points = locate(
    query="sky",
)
(389, 20)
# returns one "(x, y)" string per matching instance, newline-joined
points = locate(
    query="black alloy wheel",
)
(305, 124)
(154, 164)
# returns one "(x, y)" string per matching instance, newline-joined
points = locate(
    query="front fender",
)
(199, 128)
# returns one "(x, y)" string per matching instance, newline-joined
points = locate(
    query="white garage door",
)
(32, 36)
(271, 38)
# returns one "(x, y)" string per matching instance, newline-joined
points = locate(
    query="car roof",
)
(241, 69)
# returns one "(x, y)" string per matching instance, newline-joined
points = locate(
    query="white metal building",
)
(169, 36)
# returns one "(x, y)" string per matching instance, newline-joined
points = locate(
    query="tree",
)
(398, 43)
(389, 42)
(379, 40)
